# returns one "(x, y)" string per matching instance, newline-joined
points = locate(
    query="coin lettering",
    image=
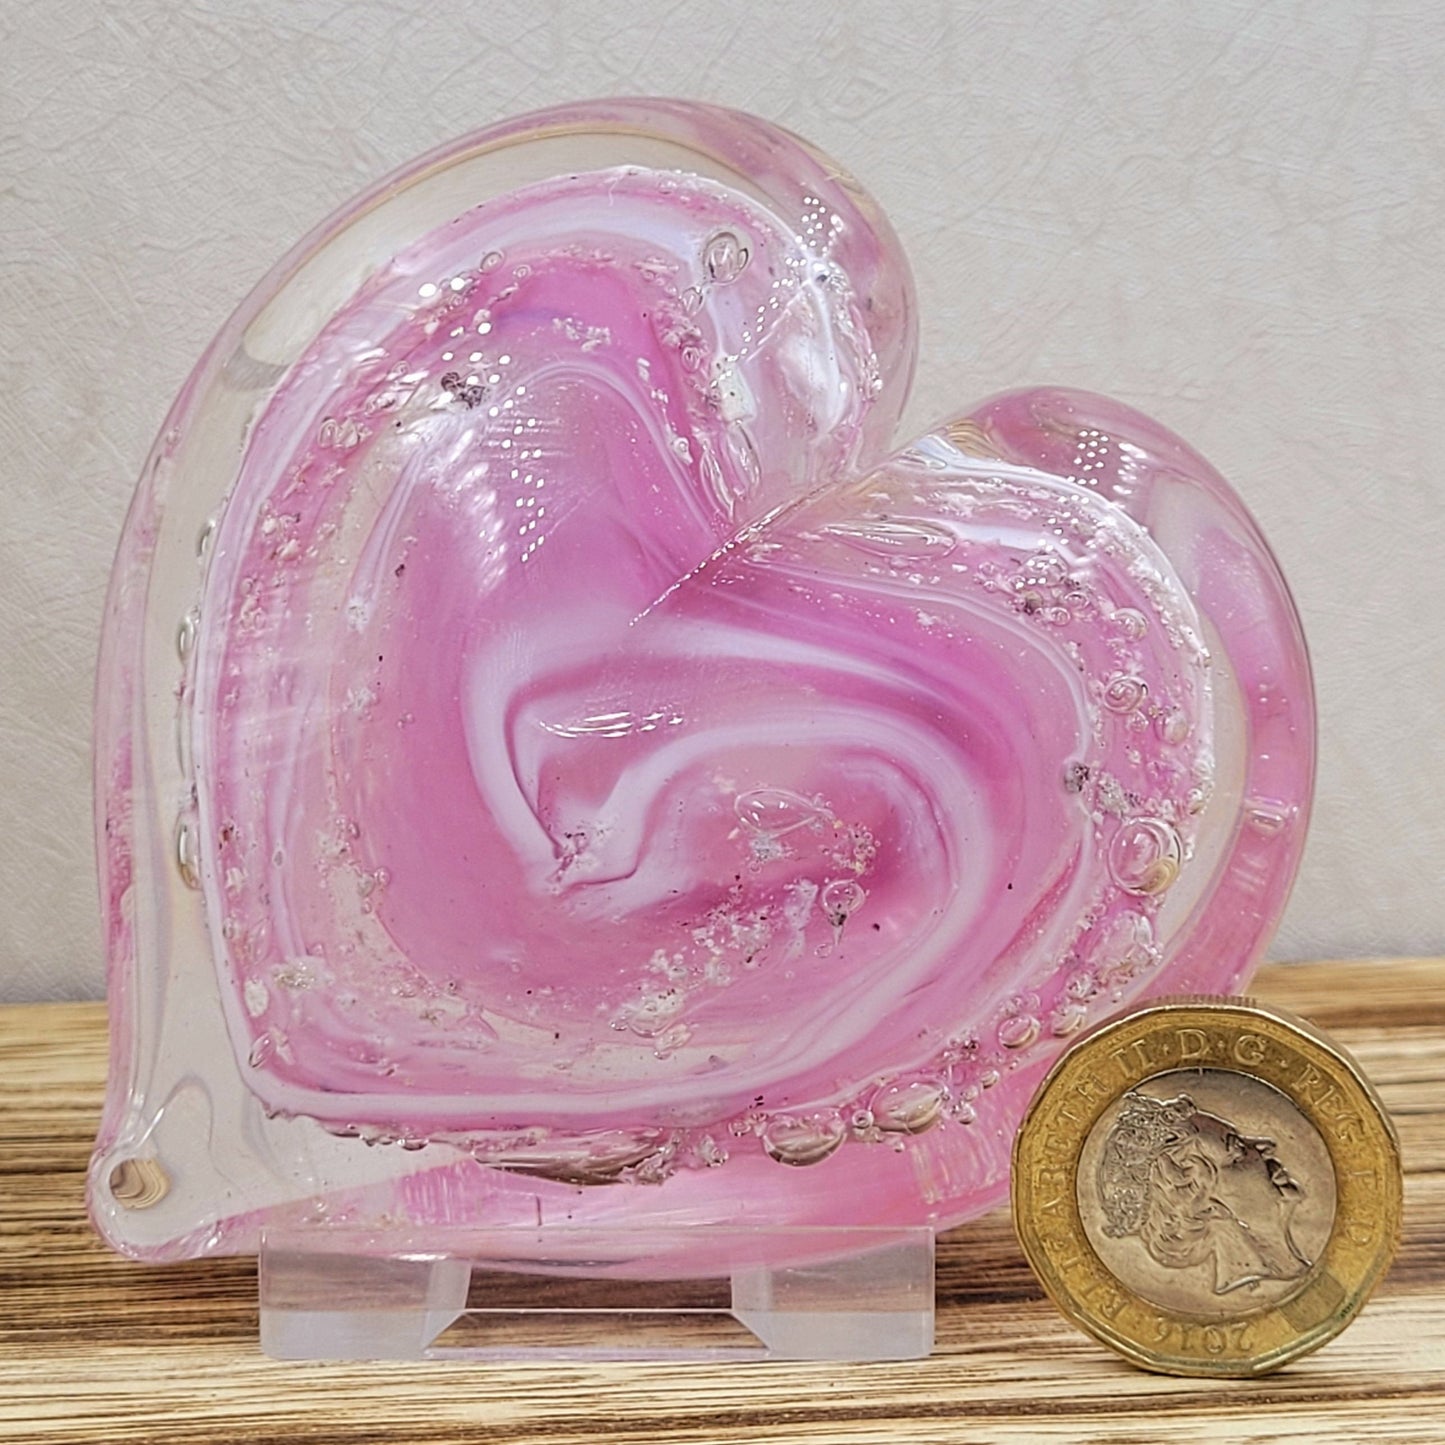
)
(1210, 1187)
(1322, 1093)
(1233, 1338)
(1105, 1298)
(1050, 1184)
(1134, 1061)
(1350, 1128)
(1193, 1044)
(1249, 1050)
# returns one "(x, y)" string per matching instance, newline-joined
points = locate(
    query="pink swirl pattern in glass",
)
(603, 760)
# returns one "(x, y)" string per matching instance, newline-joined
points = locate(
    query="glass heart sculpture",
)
(558, 760)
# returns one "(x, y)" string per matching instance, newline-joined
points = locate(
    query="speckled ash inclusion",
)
(610, 764)
(561, 771)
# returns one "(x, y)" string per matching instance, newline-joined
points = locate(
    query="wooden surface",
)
(93, 1348)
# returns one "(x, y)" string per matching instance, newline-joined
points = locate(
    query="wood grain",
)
(96, 1349)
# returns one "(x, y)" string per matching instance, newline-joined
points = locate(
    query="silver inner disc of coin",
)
(1207, 1192)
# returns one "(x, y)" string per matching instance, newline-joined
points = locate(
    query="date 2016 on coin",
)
(1209, 1187)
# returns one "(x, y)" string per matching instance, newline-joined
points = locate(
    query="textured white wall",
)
(1227, 214)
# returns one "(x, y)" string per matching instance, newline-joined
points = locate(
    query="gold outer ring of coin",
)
(1225, 1257)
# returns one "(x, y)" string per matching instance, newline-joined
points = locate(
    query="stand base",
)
(333, 1294)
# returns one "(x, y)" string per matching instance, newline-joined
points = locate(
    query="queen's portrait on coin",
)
(1197, 1192)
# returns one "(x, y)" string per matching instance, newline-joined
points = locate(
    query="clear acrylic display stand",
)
(555, 1292)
